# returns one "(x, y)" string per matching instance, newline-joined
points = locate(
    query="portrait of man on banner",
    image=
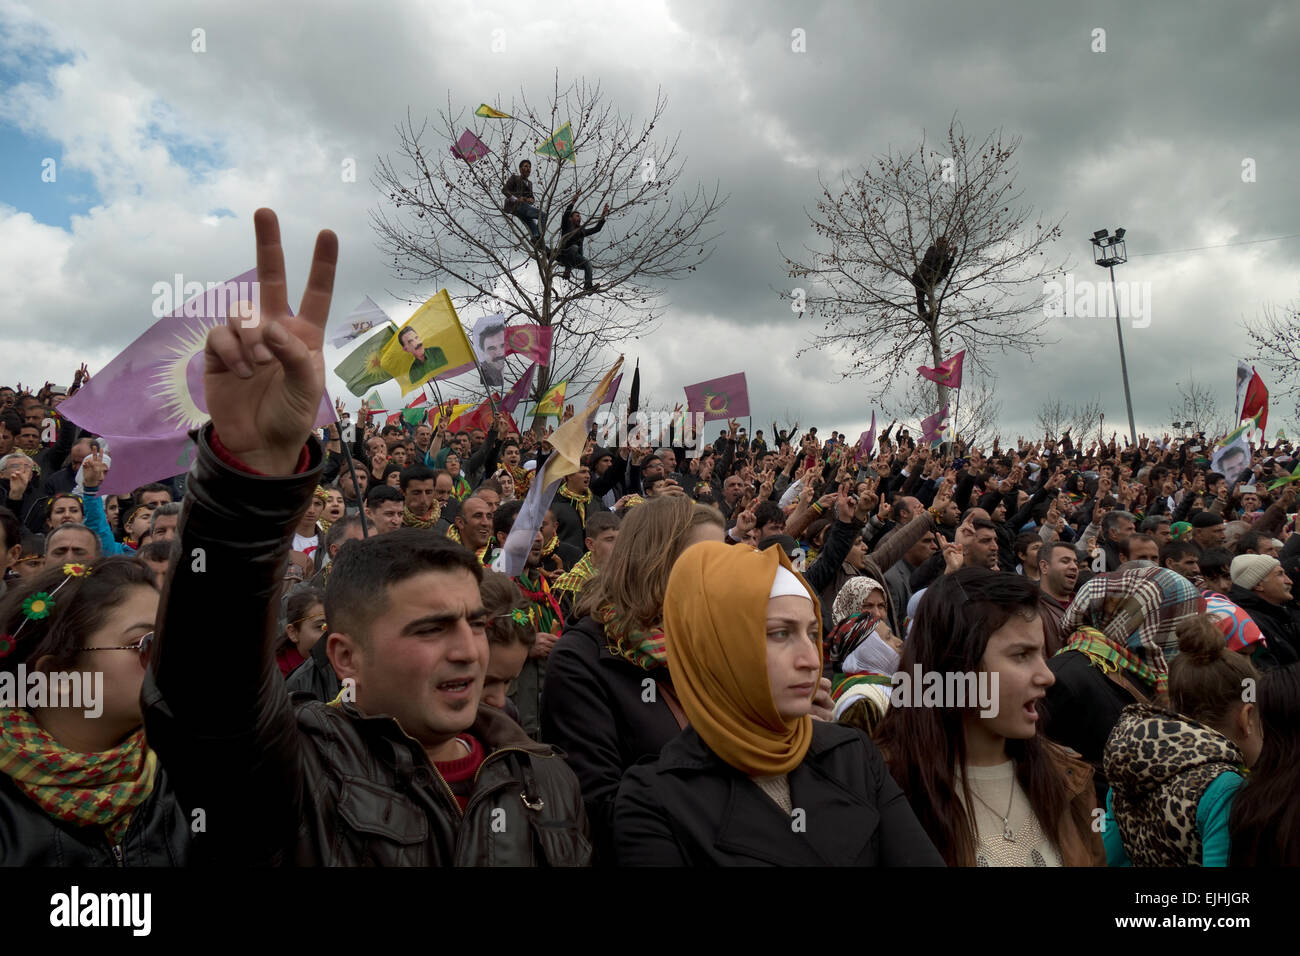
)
(1232, 460)
(490, 347)
(421, 363)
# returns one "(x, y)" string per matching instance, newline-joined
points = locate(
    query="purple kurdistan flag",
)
(469, 147)
(613, 391)
(148, 398)
(725, 397)
(867, 441)
(932, 427)
(518, 390)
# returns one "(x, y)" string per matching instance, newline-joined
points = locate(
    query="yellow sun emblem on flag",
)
(170, 380)
(522, 340)
(710, 407)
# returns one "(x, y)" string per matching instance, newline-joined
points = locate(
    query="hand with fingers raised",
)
(263, 382)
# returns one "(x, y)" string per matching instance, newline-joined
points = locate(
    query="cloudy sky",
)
(162, 154)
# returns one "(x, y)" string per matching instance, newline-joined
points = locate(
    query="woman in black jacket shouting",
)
(755, 779)
(79, 786)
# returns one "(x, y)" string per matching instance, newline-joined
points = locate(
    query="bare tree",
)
(876, 232)
(1085, 418)
(1054, 417)
(1276, 336)
(441, 220)
(1197, 408)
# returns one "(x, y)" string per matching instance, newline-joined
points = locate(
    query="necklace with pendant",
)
(1006, 817)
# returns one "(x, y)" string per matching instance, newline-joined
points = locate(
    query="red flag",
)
(480, 417)
(948, 371)
(726, 397)
(469, 147)
(534, 341)
(1256, 402)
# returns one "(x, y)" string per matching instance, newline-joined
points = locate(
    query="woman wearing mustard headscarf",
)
(755, 779)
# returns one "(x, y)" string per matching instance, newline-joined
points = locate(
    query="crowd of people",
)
(703, 661)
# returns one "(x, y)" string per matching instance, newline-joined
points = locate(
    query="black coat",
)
(315, 676)
(600, 711)
(158, 834)
(1278, 624)
(569, 526)
(689, 808)
(1082, 708)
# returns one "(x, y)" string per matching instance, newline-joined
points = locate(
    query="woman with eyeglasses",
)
(79, 785)
(305, 612)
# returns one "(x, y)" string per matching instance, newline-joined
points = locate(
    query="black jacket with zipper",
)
(306, 783)
(689, 808)
(158, 834)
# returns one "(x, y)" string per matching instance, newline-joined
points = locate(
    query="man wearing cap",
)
(1207, 529)
(1262, 588)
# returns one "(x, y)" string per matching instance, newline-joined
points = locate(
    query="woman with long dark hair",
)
(1265, 820)
(986, 786)
(79, 785)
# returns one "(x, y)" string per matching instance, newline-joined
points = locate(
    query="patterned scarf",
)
(99, 789)
(579, 502)
(460, 488)
(411, 520)
(548, 549)
(645, 649)
(576, 579)
(543, 611)
(1109, 657)
(522, 479)
(1138, 610)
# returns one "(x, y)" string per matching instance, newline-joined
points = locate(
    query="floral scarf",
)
(646, 649)
(90, 790)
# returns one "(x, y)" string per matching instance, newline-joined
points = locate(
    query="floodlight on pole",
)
(1109, 251)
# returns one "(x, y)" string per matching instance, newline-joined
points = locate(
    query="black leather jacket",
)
(308, 783)
(158, 835)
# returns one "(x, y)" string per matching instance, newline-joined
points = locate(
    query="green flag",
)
(361, 369)
(559, 145)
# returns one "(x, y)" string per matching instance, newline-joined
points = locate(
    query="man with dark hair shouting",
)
(406, 766)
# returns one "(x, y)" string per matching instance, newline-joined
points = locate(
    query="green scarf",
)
(1109, 657)
(645, 649)
(90, 790)
(460, 487)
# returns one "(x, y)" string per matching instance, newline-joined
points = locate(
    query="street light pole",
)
(1123, 362)
(1108, 252)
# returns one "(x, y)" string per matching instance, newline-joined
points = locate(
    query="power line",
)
(1221, 245)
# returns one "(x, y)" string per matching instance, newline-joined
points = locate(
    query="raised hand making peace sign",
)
(264, 382)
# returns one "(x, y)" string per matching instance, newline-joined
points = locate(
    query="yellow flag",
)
(571, 437)
(428, 343)
(488, 112)
(552, 402)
